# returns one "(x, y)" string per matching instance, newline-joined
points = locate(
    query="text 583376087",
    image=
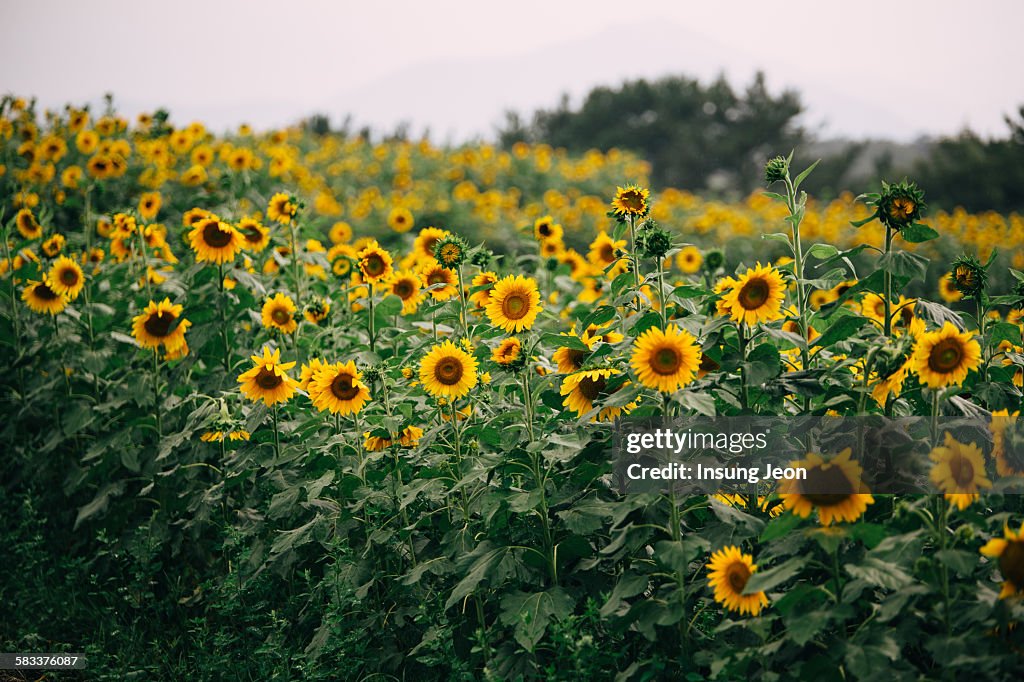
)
(41, 661)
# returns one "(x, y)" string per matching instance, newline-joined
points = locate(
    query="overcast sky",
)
(881, 68)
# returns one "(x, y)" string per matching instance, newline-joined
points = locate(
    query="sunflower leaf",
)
(762, 581)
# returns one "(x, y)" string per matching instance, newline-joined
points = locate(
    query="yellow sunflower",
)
(149, 205)
(279, 313)
(666, 360)
(27, 224)
(448, 371)
(959, 471)
(340, 232)
(406, 286)
(400, 219)
(41, 298)
(1007, 463)
(582, 389)
(514, 303)
(215, 241)
(308, 371)
(317, 310)
(268, 379)
(281, 208)
(756, 296)
(160, 323)
(604, 251)
(66, 277)
(945, 357)
(630, 200)
(375, 263)
(482, 284)
(1009, 554)
(426, 240)
(728, 573)
(338, 388)
(256, 237)
(508, 352)
(846, 498)
(433, 273)
(948, 290)
(545, 228)
(569, 359)
(689, 260)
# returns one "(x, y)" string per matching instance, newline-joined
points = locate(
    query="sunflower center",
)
(607, 253)
(666, 360)
(1011, 563)
(945, 356)
(430, 244)
(342, 387)
(252, 235)
(281, 316)
(268, 380)
(632, 200)
(833, 479)
(159, 325)
(216, 237)
(45, 293)
(373, 265)
(591, 388)
(962, 470)
(449, 371)
(753, 294)
(69, 277)
(575, 357)
(738, 574)
(544, 230)
(901, 208)
(515, 306)
(403, 289)
(437, 277)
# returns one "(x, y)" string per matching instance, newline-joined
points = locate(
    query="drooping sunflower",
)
(268, 380)
(256, 236)
(215, 241)
(160, 323)
(945, 357)
(509, 352)
(689, 260)
(448, 371)
(666, 360)
(28, 226)
(41, 297)
(433, 273)
(481, 289)
(281, 208)
(570, 359)
(66, 277)
(833, 487)
(400, 219)
(728, 573)
(1007, 451)
(1009, 554)
(959, 471)
(279, 313)
(583, 388)
(514, 303)
(630, 200)
(338, 388)
(756, 296)
(375, 263)
(406, 286)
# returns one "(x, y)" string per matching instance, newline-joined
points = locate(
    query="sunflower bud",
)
(776, 169)
(450, 250)
(652, 241)
(482, 259)
(714, 259)
(969, 276)
(900, 205)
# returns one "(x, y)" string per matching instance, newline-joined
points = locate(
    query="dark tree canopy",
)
(693, 134)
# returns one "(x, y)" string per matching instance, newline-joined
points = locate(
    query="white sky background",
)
(891, 68)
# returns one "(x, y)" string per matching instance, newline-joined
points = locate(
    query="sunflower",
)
(215, 241)
(192, 216)
(583, 388)
(959, 471)
(406, 286)
(255, 236)
(839, 494)
(160, 323)
(268, 379)
(42, 298)
(545, 228)
(338, 388)
(450, 251)
(281, 208)
(756, 296)
(1009, 553)
(482, 284)
(514, 303)
(400, 219)
(66, 277)
(570, 359)
(27, 224)
(689, 260)
(605, 251)
(149, 205)
(408, 438)
(1009, 460)
(630, 200)
(728, 573)
(948, 290)
(666, 360)
(340, 232)
(509, 353)
(945, 357)
(433, 273)
(279, 313)
(317, 310)
(308, 371)
(448, 371)
(375, 263)
(425, 242)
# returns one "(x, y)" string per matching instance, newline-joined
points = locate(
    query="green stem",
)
(370, 330)
(887, 286)
(744, 391)
(223, 319)
(277, 436)
(295, 261)
(156, 396)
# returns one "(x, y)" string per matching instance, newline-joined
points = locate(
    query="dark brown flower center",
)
(437, 277)
(962, 470)
(544, 229)
(575, 357)
(45, 293)
(738, 574)
(515, 306)
(1011, 563)
(268, 380)
(754, 294)
(632, 200)
(945, 356)
(404, 289)
(280, 316)
(342, 387)
(666, 360)
(448, 371)
(833, 479)
(69, 277)
(253, 235)
(607, 253)
(214, 236)
(159, 325)
(591, 388)
(373, 265)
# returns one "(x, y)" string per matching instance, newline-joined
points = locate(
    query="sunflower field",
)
(279, 405)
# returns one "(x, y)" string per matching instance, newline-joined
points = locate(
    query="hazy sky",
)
(882, 68)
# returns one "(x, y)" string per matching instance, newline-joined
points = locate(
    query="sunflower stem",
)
(941, 514)
(15, 316)
(935, 416)
(887, 286)
(663, 304)
(223, 318)
(635, 259)
(462, 303)
(277, 436)
(744, 394)
(370, 329)
(295, 259)
(156, 396)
